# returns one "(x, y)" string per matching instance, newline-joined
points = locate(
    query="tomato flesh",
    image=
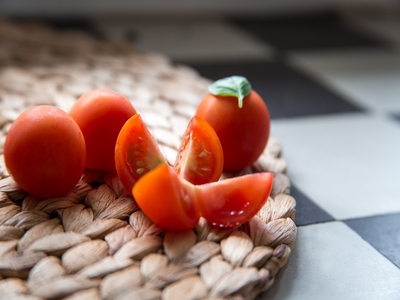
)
(166, 199)
(200, 158)
(234, 201)
(136, 152)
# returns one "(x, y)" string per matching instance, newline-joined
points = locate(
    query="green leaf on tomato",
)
(236, 86)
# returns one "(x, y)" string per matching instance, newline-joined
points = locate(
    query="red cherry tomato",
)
(166, 199)
(234, 201)
(136, 152)
(101, 114)
(243, 132)
(45, 151)
(200, 159)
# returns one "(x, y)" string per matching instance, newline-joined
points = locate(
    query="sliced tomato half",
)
(136, 152)
(234, 201)
(166, 199)
(200, 157)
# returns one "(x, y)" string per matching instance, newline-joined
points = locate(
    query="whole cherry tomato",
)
(200, 158)
(101, 114)
(234, 201)
(136, 152)
(240, 118)
(167, 199)
(45, 151)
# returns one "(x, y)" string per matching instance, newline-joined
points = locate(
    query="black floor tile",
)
(396, 117)
(307, 212)
(286, 92)
(67, 25)
(321, 31)
(382, 232)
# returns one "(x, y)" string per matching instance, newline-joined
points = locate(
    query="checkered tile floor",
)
(332, 85)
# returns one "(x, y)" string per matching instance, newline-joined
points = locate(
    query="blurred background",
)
(159, 8)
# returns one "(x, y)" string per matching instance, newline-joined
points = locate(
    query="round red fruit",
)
(240, 118)
(101, 114)
(45, 151)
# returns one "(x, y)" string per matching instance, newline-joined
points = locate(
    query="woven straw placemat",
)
(94, 243)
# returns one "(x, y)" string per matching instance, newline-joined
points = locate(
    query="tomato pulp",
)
(136, 152)
(200, 158)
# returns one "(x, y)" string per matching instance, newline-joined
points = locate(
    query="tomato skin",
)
(243, 132)
(136, 152)
(234, 201)
(200, 158)
(45, 151)
(101, 114)
(166, 199)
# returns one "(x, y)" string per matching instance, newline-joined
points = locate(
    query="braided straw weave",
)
(95, 243)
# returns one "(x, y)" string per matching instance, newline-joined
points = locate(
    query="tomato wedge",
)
(166, 199)
(172, 202)
(234, 201)
(200, 158)
(136, 152)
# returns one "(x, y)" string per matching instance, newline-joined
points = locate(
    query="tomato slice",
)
(136, 152)
(200, 158)
(166, 199)
(234, 201)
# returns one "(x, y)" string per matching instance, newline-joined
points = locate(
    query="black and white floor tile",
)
(332, 85)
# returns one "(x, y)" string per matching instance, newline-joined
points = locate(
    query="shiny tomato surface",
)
(234, 201)
(243, 132)
(101, 114)
(167, 199)
(45, 151)
(172, 202)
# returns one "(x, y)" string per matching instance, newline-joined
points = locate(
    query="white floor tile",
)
(368, 78)
(192, 40)
(330, 261)
(349, 164)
